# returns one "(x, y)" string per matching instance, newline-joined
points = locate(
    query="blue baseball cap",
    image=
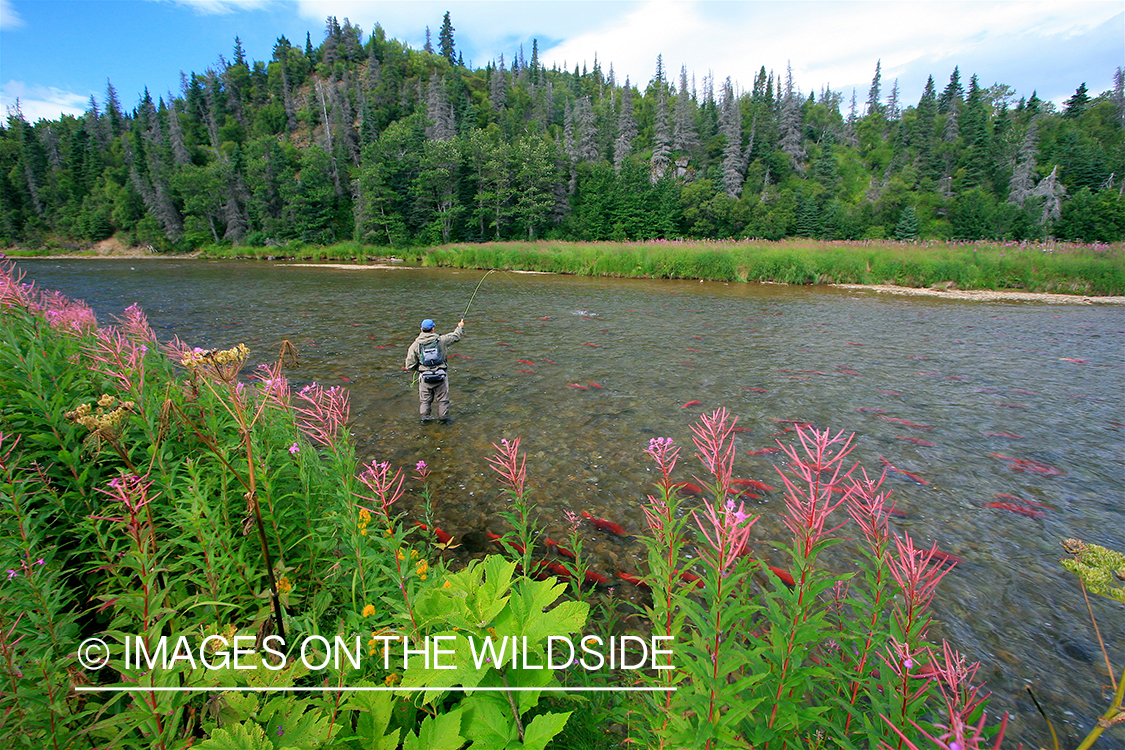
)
(427, 325)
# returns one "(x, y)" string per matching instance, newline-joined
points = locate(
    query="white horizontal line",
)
(342, 689)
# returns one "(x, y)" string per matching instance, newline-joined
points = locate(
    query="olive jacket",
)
(412, 354)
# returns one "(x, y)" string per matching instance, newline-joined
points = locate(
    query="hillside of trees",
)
(365, 139)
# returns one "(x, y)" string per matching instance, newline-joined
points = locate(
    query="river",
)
(586, 371)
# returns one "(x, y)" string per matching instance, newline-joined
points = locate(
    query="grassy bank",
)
(1060, 268)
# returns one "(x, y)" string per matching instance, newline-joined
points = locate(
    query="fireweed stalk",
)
(384, 490)
(512, 468)
(867, 507)
(664, 552)
(215, 368)
(817, 473)
(717, 657)
(147, 604)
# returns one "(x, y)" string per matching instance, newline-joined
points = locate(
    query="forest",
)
(367, 140)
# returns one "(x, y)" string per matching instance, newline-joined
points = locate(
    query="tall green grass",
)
(1067, 269)
(1061, 268)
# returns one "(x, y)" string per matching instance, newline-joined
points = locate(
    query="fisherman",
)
(427, 357)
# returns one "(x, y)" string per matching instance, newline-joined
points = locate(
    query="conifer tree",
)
(498, 86)
(873, 105)
(439, 113)
(626, 128)
(950, 99)
(1052, 191)
(731, 124)
(1020, 186)
(662, 135)
(907, 228)
(685, 134)
(1076, 105)
(445, 40)
(790, 129)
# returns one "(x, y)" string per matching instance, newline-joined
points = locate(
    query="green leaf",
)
(542, 728)
(237, 737)
(441, 732)
(489, 722)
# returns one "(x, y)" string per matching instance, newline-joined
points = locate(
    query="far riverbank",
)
(1058, 273)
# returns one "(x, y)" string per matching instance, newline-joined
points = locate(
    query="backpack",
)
(430, 355)
(432, 359)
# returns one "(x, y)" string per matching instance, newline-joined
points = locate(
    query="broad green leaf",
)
(441, 732)
(237, 737)
(542, 729)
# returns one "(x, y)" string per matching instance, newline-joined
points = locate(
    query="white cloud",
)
(219, 7)
(41, 102)
(9, 19)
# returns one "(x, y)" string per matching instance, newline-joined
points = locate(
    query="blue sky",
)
(55, 53)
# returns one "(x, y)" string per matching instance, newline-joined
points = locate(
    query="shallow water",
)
(643, 349)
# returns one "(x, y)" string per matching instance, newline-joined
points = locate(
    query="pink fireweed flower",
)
(135, 324)
(510, 465)
(664, 451)
(901, 659)
(273, 385)
(294, 449)
(868, 508)
(954, 677)
(715, 446)
(726, 532)
(117, 357)
(131, 491)
(656, 513)
(384, 489)
(422, 471)
(808, 494)
(917, 574)
(325, 415)
(573, 520)
(65, 314)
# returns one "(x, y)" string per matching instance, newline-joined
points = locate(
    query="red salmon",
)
(633, 580)
(753, 483)
(440, 535)
(1022, 510)
(579, 387)
(763, 452)
(916, 441)
(500, 542)
(691, 403)
(592, 384)
(604, 525)
(561, 550)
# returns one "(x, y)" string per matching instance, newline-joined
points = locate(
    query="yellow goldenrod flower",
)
(369, 610)
(284, 585)
(447, 585)
(391, 679)
(364, 516)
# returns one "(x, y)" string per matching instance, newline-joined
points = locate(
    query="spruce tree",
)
(445, 40)
(1077, 104)
(907, 228)
(685, 135)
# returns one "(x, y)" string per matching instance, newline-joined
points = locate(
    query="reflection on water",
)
(586, 371)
